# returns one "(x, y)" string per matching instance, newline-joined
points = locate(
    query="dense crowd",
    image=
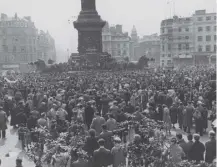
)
(101, 101)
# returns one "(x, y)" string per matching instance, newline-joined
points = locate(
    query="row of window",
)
(180, 46)
(199, 29)
(208, 28)
(13, 23)
(163, 55)
(168, 62)
(208, 38)
(207, 18)
(22, 49)
(207, 49)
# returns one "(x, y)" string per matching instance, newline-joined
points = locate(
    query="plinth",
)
(89, 25)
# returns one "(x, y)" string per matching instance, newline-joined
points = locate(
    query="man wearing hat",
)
(88, 114)
(118, 153)
(102, 157)
(3, 122)
(196, 153)
(187, 117)
(210, 145)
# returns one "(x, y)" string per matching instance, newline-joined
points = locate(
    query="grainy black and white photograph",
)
(108, 83)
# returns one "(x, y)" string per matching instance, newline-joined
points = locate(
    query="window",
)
(169, 46)
(214, 37)
(214, 48)
(200, 38)
(162, 64)
(119, 52)
(208, 38)
(124, 45)
(180, 29)
(162, 55)
(14, 48)
(169, 61)
(200, 19)
(23, 49)
(170, 30)
(162, 61)
(208, 48)
(186, 37)
(124, 52)
(214, 17)
(214, 28)
(162, 30)
(180, 46)
(5, 48)
(208, 17)
(162, 47)
(186, 29)
(187, 46)
(200, 49)
(207, 28)
(169, 55)
(118, 45)
(179, 38)
(199, 29)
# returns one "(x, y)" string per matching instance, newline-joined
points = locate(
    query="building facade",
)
(204, 29)
(149, 45)
(116, 42)
(189, 40)
(20, 41)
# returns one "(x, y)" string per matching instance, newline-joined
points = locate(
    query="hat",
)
(117, 139)
(211, 133)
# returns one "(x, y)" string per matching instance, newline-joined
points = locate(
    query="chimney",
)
(119, 28)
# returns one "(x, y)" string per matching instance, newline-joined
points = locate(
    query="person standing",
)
(173, 114)
(111, 123)
(118, 153)
(166, 119)
(210, 145)
(198, 122)
(187, 117)
(88, 115)
(3, 123)
(197, 150)
(97, 123)
(175, 151)
(102, 157)
(180, 115)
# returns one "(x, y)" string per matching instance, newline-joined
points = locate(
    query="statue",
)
(88, 5)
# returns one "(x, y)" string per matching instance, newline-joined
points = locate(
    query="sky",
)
(146, 15)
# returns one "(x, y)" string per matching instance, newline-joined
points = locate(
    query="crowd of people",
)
(102, 100)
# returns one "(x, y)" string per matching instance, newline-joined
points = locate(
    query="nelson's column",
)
(89, 25)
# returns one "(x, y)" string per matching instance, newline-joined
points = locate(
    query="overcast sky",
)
(146, 15)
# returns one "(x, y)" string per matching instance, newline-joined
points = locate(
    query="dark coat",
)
(91, 145)
(107, 136)
(187, 147)
(180, 115)
(173, 114)
(187, 116)
(210, 154)
(102, 157)
(88, 115)
(169, 101)
(197, 151)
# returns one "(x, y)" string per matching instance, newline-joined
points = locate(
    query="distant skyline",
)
(146, 15)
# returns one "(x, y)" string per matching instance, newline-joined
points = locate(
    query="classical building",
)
(21, 43)
(204, 29)
(116, 42)
(149, 45)
(188, 40)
